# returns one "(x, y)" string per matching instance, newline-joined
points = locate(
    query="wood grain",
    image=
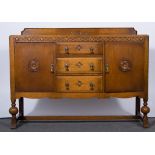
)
(88, 48)
(43, 78)
(79, 63)
(79, 84)
(82, 118)
(118, 80)
(77, 31)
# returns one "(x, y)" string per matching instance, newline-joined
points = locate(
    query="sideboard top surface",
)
(79, 31)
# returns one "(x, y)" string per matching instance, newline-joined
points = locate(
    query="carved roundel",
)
(125, 65)
(34, 65)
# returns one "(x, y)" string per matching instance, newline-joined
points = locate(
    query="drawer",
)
(79, 83)
(79, 65)
(79, 48)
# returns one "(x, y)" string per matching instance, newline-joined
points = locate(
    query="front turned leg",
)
(13, 111)
(145, 110)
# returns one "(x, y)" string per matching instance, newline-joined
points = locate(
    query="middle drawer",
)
(79, 65)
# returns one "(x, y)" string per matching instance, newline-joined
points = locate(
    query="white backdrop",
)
(71, 106)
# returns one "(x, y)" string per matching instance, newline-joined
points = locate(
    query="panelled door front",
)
(124, 66)
(34, 64)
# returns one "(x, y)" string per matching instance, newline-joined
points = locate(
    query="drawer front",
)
(79, 48)
(79, 84)
(79, 65)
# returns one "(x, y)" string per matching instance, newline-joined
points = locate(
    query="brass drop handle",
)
(79, 83)
(78, 47)
(66, 67)
(92, 85)
(67, 85)
(66, 50)
(107, 68)
(91, 67)
(52, 68)
(91, 50)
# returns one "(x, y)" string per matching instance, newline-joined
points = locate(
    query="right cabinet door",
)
(124, 66)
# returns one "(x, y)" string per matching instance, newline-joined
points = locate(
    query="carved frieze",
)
(82, 38)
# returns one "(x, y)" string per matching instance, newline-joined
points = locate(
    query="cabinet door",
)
(34, 67)
(124, 66)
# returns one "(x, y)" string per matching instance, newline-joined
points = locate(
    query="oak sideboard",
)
(79, 63)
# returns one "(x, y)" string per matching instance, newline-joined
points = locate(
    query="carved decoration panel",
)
(125, 65)
(34, 65)
(82, 38)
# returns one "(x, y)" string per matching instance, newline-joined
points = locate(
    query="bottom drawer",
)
(79, 83)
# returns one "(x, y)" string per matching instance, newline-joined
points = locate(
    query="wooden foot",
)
(137, 112)
(145, 110)
(21, 108)
(13, 111)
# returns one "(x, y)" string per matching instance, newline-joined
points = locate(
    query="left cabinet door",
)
(34, 67)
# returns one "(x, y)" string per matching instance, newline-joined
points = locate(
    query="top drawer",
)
(75, 48)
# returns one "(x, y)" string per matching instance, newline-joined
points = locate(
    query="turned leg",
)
(13, 111)
(145, 110)
(21, 108)
(137, 112)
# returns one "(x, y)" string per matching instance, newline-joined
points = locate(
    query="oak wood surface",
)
(79, 84)
(83, 118)
(79, 63)
(26, 78)
(77, 31)
(77, 48)
(78, 95)
(118, 80)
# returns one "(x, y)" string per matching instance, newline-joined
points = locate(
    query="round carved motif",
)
(125, 65)
(34, 65)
